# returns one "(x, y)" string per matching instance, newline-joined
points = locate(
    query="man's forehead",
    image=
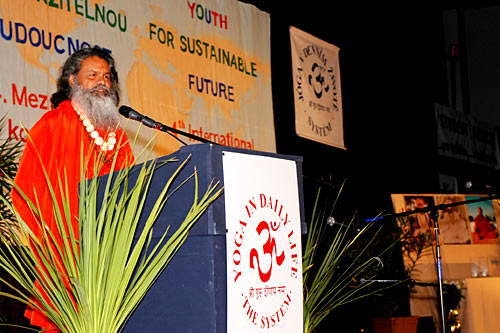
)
(95, 62)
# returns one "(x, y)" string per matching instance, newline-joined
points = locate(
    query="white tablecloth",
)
(482, 305)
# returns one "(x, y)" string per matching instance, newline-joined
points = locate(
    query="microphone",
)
(363, 280)
(481, 188)
(331, 222)
(130, 113)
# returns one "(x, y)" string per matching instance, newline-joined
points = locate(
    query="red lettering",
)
(249, 210)
(238, 274)
(238, 237)
(262, 201)
(277, 316)
(251, 313)
(43, 104)
(267, 248)
(223, 21)
(215, 15)
(192, 8)
(270, 205)
(16, 132)
(292, 244)
(17, 98)
(236, 257)
(13, 131)
(32, 100)
(268, 202)
(294, 272)
(275, 226)
(263, 323)
(285, 220)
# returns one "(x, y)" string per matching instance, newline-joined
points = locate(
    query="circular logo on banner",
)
(266, 264)
(316, 90)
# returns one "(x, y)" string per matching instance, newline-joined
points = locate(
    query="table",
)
(482, 305)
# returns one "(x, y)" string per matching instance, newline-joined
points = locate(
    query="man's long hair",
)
(73, 65)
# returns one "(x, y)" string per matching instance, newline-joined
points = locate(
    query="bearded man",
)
(84, 120)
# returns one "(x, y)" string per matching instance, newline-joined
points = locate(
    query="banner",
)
(186, 64)
(467, 138)
(452, 133)
(263, 244)
(317, 93)
(483, 147)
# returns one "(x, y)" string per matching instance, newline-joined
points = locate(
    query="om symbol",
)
(269, 248)
(317, 80)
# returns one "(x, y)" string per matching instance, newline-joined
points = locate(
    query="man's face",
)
(420, 203)
(92, 94)
(94, 73)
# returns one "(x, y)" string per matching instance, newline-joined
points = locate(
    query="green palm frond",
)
(332, 275)
(108, 270)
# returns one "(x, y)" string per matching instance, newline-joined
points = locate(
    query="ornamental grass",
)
(10, 150)
(338, 271)
(110, 265)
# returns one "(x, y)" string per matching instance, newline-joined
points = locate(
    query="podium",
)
(191, 293)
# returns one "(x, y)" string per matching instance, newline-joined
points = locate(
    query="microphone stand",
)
(130, 113)
(168, 130)
(434, 213)
(410, 282)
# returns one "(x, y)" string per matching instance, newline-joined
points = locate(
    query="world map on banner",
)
(199, 67)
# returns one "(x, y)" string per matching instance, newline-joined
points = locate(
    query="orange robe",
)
(58, 138)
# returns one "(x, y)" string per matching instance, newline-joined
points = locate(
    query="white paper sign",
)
(264, 252)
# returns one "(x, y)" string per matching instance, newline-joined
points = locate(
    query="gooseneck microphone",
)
(130, 113)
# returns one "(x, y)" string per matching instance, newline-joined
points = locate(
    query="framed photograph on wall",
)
(482, 220)
(453, 221)
(419, 225)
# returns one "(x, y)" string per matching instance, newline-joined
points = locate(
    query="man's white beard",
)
(101, 110)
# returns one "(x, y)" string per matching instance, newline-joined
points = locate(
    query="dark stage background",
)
(393, 69)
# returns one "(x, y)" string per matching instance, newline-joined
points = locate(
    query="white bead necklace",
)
(98, 140)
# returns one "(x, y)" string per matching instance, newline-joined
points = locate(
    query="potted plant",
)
(341, 260)
(413, 245)
(391, 310)
(10, 150)
(100, 298)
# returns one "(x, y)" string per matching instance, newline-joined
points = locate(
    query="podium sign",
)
(263, 244)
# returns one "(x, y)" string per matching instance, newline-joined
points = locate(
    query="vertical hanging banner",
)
(317, 93)
(263, 244)
(453, 132)
(483, 143)
(199, 67)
